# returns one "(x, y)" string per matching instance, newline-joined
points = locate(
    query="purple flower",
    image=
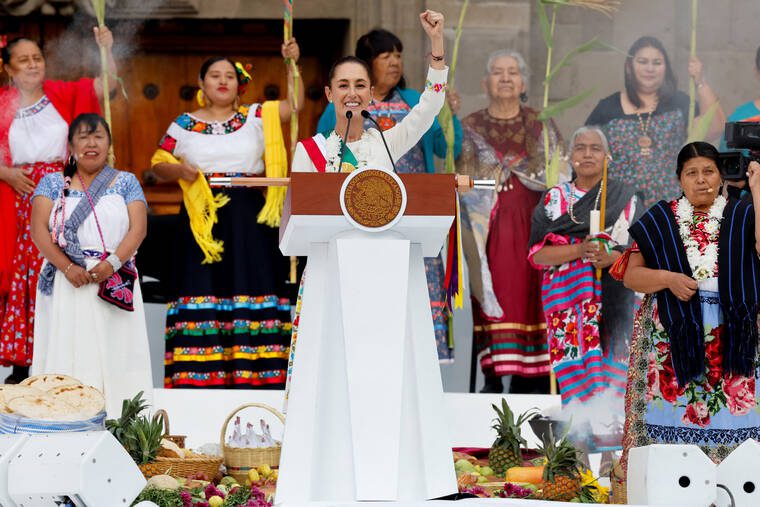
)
(476, 490)
(211, 490)
(187, 499)
(514, 491)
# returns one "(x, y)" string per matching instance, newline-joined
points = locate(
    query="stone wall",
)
(727, 39)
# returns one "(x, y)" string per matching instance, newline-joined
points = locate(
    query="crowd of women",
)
(556, 274)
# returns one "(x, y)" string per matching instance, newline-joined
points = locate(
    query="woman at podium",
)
(392, 101)
(228, 319)
(350, 146)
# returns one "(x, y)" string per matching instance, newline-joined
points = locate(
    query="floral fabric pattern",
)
(193, 124)
(572, 299)
(717, 411)
(17, 312)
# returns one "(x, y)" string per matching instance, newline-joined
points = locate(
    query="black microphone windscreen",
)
(365, 113)
(349, 114)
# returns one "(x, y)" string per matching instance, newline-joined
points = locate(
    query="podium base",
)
(365, 418)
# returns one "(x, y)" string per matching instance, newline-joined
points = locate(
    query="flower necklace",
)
(702, 264)
(571, 201)
(333, 151)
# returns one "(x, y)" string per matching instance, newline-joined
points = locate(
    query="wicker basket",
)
(183, 467)
(618, 491)
(239, 460)
(177, 439)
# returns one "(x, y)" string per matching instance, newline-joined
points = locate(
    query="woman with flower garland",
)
(588, 320)
(228, 320)
(693, 366)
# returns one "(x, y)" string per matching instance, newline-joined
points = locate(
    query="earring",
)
(200, 98)
(523, 97)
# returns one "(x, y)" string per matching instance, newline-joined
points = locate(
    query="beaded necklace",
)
(571, 202)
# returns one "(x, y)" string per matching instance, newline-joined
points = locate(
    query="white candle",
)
(593, 222)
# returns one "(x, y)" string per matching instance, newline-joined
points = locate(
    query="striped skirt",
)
(572, 304)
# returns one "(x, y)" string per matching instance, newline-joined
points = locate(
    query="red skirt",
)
(515, 344)
(17, 307)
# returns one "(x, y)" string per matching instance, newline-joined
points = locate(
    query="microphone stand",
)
(349, 115)
(365, 114)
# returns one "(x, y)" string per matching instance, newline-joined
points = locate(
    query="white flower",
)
(712, 227)
(702, 264)
(716, 210)
(332, 151)
(332, 146)
(702, 273)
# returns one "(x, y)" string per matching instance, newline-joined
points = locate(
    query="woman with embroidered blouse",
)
(588, 318)
(228, 318)
(88, 222)
(349, 89)
(693, 366)
(35, 113)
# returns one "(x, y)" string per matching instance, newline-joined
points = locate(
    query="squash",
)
(532, 475)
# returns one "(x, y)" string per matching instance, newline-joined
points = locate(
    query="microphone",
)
(349, 115)
(369, 117)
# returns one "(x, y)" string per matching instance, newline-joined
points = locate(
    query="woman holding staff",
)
(588, 320)
(34, 116)
(228, 321)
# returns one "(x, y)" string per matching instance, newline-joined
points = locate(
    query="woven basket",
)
(239, 460)
(618, 491)
(177, 439)
(183, 467)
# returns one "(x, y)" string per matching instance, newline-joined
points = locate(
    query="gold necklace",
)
(645, 142)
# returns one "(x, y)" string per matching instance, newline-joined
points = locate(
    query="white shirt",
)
(222, 146)
(400, 138)
(38, 133)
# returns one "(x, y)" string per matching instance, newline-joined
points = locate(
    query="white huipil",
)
(38, 133)
(365, 415)
(76, 332)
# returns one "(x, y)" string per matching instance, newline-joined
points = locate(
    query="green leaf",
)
(544, 22)
(594, 43)
(552, 175)
(701, 126)
(446, 120)
(563, 105)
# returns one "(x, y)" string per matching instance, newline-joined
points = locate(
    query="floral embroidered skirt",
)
(717, 412)
(17, 309)
(582, 368)
(228, 323)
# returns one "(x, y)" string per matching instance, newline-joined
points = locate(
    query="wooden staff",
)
(99, 6)
(287, 35)
(602, 208)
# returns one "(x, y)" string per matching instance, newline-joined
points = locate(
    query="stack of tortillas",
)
(51, 397)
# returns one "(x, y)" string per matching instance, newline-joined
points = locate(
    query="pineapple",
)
(140, 435)
(562, 478)
(129, 411)
(505, 451)
(142, 438)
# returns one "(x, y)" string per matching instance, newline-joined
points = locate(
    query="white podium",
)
(365, 412)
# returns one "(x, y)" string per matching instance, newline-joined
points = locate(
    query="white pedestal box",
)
(92, 469)
(365, 415)
(9, 447)
(671, 475)
(740, 474)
